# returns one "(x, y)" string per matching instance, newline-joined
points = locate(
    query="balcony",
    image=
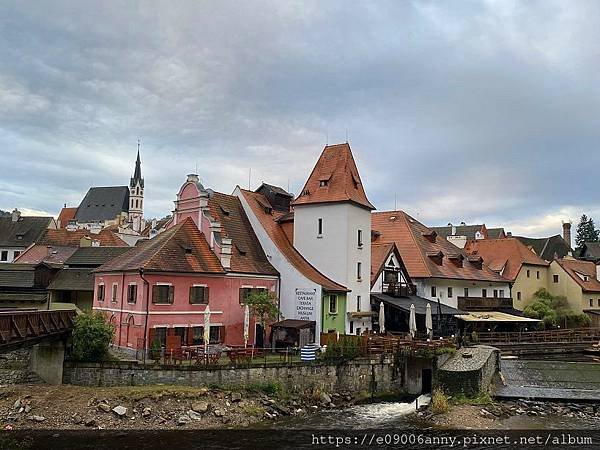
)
(484, 303)
(399, 289)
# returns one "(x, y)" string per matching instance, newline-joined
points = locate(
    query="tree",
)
(263, 305)
(553, 310)
(91, 337)
(586, 231)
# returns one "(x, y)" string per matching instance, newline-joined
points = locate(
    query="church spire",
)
(137, 174)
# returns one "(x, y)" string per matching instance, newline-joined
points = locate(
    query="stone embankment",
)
(153, 407)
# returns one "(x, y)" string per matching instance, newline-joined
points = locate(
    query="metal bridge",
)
(25, 328)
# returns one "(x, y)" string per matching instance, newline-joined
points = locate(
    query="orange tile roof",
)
(65, 215)
(259, 203)
(43, 253)
(506, 253)
(247, 255)
(68, 238)
(586, 268)
(182, 248)
(419, 253)
(337, 170)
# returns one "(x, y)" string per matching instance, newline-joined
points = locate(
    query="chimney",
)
(16, 215)
(567, 232)
(193, 178)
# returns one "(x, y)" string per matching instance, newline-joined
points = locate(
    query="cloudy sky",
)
(483, 111)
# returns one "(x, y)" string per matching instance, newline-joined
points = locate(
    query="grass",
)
(481, 398)
(253, 410)
(439, 402)
(136, 393)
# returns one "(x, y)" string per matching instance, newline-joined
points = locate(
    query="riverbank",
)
(154, 407)
(519, 414)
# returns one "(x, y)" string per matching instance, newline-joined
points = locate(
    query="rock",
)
(282, 409)
(146, 412)
(119, 410)
(183, 420)
(325, 398)
(76, 419)
(218, 413)
(13, 416)
(200, 407)
(91, 423)
(104, 407)
(17, 404)
(236, 397)
(37, 418)
(194, 415)
(27, 409)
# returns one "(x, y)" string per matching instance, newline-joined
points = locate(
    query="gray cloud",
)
(478, 111)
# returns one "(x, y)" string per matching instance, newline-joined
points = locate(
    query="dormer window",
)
(430, 235)
(436, 257)
(323, 183)
(19, 237)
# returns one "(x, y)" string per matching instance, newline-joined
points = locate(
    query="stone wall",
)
(372, 375)
(14, 368)
(470, 370)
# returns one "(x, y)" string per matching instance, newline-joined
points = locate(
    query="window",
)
(113, 294)
(450, 293)
(4, 255)
(518, 296)
(160, 336)
(538, 274)
(501, 293)
(131, 293)
(433, 291)
(495, 293)
(484, 293)
(358, 302)
(322, 183)
(599, 302)
(320, 227)
(360, 238)
(591, 302)
(390, 277)
(528, 273)
(358, 331)
(182, 333)
(351, 327)
(215, 335)
(199, 295)
(555, 278)
(16, 254)
(100, 293)
(466, 292)
(359, 271)
(162, 293)
(197, 335)
(332, 304)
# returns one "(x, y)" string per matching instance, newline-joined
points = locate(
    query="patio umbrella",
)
(381, 318)
(429, 322)
(246, 324)
(412, 321)
(206, 328)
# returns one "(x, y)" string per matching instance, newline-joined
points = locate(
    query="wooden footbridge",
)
(574, 340)
(25, 328)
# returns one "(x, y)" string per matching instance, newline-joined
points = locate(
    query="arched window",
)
(138, 190)
(136, 203)
(141, 201)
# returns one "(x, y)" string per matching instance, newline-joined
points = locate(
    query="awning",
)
(492, 316)
(294, 323)
(420, 303)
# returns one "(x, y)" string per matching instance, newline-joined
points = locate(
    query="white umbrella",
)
(206, 328)
(246, 324)
(429, 321)
(412, 321)
(381, 318)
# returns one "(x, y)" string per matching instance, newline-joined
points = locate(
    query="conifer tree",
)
(586, 231)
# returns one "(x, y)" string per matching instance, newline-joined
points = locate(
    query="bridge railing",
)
(23, 326)
(574, 335)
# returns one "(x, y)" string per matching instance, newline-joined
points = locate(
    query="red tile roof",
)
(259, 205)
(182, 248)
(585, 268)
(65, 215)
(247, 255)
(67, 238)
(44, 253)
(337, 170)
(508, 253)
(416, 242)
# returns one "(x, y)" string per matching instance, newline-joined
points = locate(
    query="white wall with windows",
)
(9, 254)
(448, 290)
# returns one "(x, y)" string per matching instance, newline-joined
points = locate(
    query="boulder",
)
(119, 410)
(194, 415)
(105, 407)
(146, 412)
(200, 407)
(183, 420)
(219, 413)
(37, 418)
(236, 397)
(325, 398)
(90, 423)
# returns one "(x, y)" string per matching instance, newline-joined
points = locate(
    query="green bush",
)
(91, 337)
(347, 347)
(439, 402)
(553, 311)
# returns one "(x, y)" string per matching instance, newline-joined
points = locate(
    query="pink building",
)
(208, 255)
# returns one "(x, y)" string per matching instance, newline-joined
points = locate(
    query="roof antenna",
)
(249, 177)
(326, 138)
(346, 135)
(395, 207)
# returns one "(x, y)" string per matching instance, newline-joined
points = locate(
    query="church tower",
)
(136, 196)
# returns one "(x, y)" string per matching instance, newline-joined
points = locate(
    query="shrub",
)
(553, 311)
(439, 402)
(347, 347)
(91, 337)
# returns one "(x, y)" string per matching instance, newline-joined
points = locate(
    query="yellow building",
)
(577, 281)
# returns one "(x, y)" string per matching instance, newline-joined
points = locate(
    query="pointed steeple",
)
(137, 174)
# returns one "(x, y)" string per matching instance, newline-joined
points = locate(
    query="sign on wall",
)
(306, 304)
